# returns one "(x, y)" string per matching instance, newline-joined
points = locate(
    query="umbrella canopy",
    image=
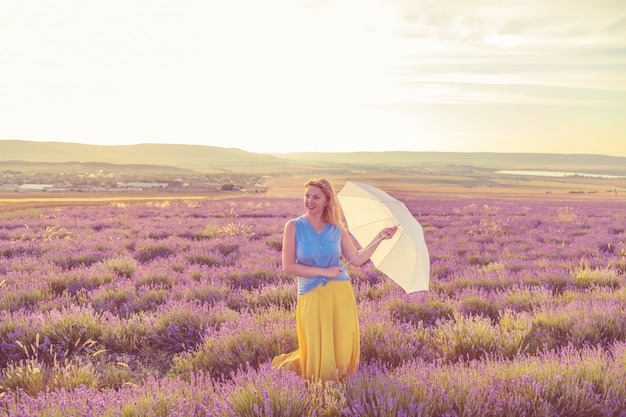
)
(404, 258)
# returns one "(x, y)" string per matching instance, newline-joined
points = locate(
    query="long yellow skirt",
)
(328, 334)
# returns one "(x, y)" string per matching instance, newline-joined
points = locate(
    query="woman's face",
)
(314, 200)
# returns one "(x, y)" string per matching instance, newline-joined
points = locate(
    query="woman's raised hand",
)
(387, 232)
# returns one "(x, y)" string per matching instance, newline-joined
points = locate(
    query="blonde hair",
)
(333, 213)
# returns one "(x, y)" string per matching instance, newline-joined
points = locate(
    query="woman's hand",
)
(332, 272)
(388, 232)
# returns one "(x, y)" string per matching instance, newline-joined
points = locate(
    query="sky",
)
(318, 75)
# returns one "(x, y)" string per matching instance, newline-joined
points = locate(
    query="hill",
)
(488, 160)
(181, 156)
(199, 157)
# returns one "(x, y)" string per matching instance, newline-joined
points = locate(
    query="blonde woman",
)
(326, 316)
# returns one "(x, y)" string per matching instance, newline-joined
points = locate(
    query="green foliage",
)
(275, 244)
(558, 282)
(251, 279)
(259, 397)
(388, 342)
(427, 313)
(478, 259)
(150, 300)
(43, 371)
(124, 266)
(550, 330)
(226, 248)
(526, 299)
(479, 306)
(206, 259)
(129, 337)
(224, 351)
(619, 264)
(236, 229)
(178, 267)
(268, 296)
(154, 280)
(383, 395)
(179, 330)
(603, 277)
(77, 260)
(24, 298)
(27, 375)
(115, 375)
(153, 251)
(69, 327)
(514, 332)
(148, 406)
(76, 281)
(471, 337)
(485, 281)
(209, 232)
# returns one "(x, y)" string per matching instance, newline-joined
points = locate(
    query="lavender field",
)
(177, 308)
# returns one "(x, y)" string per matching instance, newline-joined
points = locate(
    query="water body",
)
(560, 174)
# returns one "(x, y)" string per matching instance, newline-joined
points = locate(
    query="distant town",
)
(110, 180)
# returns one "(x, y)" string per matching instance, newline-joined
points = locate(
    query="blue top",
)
(317, 249)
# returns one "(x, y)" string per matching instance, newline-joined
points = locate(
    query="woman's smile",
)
(314, 200)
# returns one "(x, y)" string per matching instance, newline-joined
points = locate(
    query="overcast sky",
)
(315, 75)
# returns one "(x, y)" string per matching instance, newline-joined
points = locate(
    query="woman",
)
(326, 317)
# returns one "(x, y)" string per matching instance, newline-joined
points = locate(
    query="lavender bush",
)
(176, 308)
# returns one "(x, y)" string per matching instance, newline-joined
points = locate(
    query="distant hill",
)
(182, 156)
(198, 157)
(487, 160)
(87, 167)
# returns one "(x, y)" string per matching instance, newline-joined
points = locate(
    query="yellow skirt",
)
(328, 334)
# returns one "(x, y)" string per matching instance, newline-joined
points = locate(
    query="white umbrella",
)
(403, 258)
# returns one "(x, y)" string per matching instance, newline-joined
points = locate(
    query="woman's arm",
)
(358, 258)
(292, 267)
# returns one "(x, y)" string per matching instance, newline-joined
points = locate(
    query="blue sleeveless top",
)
(317, 249)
